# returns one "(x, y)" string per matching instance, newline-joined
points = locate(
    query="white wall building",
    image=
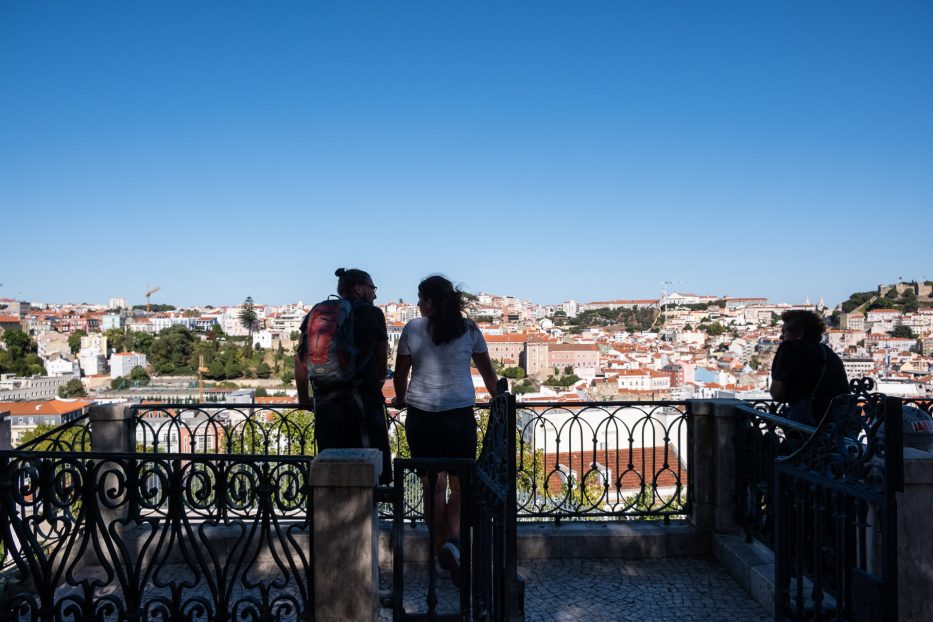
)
(262, 339)
(122, 363)
(59, 364)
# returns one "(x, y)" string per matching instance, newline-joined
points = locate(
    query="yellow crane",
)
(201, 370)
(149, 292)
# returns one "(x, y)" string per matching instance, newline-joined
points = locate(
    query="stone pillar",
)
(345, 556)
(702, 462)
(724, 438)
(712, 455)
(111, 428)
(914, 538)
(6, 431)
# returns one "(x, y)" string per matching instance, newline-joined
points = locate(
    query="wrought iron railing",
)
(155, 536)
(603, 460)
(74, 435)
(486, 575)
(836, 513)
(575, 460)
(761, 436)
(247, 429)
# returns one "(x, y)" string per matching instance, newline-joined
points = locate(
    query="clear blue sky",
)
(546, 150)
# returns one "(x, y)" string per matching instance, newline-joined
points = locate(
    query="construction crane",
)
(201, 370)
(150, 292)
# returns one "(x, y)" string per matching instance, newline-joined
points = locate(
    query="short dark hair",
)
(347, 278)
(809, 323)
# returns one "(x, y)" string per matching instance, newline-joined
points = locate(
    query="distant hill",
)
(906, 297)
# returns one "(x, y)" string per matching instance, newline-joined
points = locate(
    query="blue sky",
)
(546, 150)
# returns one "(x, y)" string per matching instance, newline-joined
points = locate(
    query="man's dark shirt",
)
(369, 328)
(799, 363)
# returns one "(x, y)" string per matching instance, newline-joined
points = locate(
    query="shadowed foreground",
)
(643, 590)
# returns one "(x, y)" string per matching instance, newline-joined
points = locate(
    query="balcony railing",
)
(576, 460)
(155, 536)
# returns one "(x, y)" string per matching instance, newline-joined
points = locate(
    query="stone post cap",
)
(346, 467)
(918, 466)
(714, 407)
(108, 412)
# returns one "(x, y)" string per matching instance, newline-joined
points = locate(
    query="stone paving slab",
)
(645, 590)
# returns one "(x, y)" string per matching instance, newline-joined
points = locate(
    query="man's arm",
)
(381, 352)
(301, 382)
(778, 390)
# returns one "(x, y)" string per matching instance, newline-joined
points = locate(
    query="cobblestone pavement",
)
(692, 590)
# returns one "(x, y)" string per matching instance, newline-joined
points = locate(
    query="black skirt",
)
(444, 434)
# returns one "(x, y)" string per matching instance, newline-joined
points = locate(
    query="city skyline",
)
(545, 151)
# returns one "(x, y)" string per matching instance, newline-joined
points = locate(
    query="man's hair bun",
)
(340, 272)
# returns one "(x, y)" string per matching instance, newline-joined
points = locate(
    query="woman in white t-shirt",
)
(437, 349)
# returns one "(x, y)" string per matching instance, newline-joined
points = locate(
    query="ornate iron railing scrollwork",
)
(761, 436)
(146, 536)
(835, 512)
(74, 435)
(603, 460)
(245, 429)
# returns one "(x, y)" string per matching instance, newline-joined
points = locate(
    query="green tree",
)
(903, 332)
(513, 372)
(139, 376)
(713, 330)
(139, 342)
(173, 352)
(233, 369)
(525, 386)
(248, 318)
(263, 370)
(72, 388)
(120, 383)
(74, 340)
(19, 355)
(116, 339)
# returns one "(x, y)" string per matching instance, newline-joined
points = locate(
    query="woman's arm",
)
(484, 366)
(400, 381)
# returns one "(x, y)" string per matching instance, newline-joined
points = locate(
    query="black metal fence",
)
(603, 460)
(836, 513)
(762, 436)
(576, 460)
(488, 585)
(155, 536)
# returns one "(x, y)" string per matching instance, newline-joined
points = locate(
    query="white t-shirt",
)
(440, 374)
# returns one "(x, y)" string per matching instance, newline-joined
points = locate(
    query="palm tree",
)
(248, 319)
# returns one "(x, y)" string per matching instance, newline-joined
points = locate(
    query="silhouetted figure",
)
(350, 413)
(806, 373)
(437, 348)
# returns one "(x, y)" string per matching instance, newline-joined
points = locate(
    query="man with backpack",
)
(342, 355)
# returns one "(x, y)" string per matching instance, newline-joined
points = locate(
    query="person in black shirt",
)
(806, 369)
(338, 422)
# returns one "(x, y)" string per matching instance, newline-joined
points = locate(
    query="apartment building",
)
(122, 363)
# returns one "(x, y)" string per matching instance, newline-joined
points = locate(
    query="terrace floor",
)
(642, 590)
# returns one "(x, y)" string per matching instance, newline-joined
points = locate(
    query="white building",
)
(62, 364)
(262, 339)
(122, 363)
(117, 303)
